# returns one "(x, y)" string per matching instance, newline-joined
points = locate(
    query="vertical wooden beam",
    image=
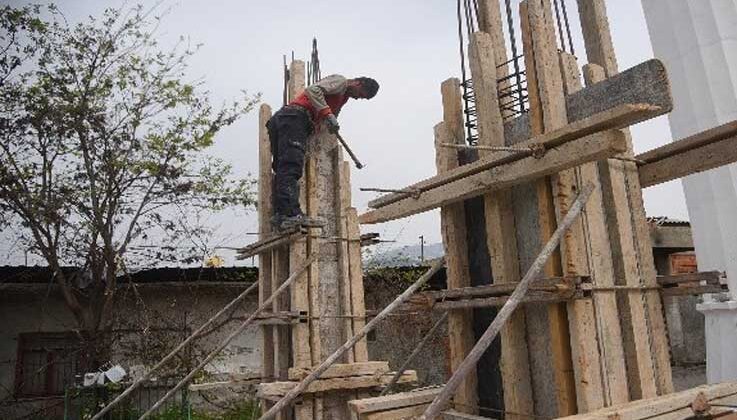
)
(548, 112)
(597, 36)
(343, 198)
(355, 267)
(597, 249)
(500, 232)
(265, 210)
(302, 352)
(453, 228)
(600, 50)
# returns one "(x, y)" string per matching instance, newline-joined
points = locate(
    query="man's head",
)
(362, 88)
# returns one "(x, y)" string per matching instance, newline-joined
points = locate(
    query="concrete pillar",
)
(697, 40)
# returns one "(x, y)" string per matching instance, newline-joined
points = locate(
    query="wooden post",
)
(597, 251)
(265, 206)
(501, 233)
(556, 396)
(453, 228)
(600, 51)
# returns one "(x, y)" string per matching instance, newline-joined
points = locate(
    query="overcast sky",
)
(409, 46)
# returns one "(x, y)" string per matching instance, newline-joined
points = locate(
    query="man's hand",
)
(332, 123)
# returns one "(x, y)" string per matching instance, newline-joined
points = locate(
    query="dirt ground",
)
(685, 377)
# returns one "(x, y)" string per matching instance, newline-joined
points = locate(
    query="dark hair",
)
(370, 86)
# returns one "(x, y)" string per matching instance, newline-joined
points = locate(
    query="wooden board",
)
(339, 370)
(617, 117)
(596, 324)
(398, 400)
(572, 154)
(265, 211)
(500, 230)
(688, 162)
(675, 406)
(275, 390)
(453, 230)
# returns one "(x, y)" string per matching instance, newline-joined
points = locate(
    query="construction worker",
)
(289, 129)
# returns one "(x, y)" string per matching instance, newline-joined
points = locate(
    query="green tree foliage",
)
(102, 145)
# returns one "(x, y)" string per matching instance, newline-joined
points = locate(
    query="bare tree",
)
(102, 142)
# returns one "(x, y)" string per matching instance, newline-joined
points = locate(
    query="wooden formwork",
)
(326, 303)
(605, 343)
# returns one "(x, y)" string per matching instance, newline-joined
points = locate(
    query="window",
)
(46, 364)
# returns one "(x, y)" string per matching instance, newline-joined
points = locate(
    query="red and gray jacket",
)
(324, 97)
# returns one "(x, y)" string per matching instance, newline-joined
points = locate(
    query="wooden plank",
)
(265, 212)
(592, 148)
(597, 326)
(597, 36)
(675, 406)
(356, 282)
(282, 347)
(502, 288)
(710, 277)
(555, 395)
(600, 50)
(617, 117)
(646, 83)
(499, 301)
(273, 241)
(635, 332)
(343, 197)
(453, 229)
(704, 138)
(500, 232)
(398, 400)
(340, 370)
(689, 162)
(275, 390)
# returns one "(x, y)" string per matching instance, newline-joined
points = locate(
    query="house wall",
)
(145, 329)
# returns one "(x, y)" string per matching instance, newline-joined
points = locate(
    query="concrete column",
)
(697, 40)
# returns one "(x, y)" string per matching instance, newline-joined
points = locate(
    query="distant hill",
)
(401, 256)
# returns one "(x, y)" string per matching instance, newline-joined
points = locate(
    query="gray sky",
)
(409, 46)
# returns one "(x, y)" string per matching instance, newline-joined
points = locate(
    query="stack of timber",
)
(395, 406)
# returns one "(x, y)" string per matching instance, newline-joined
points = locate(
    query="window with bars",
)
(46, 364)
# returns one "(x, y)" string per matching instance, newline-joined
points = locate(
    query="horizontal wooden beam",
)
(340, 370)
(568, 155)
(709, 277)
(552, 284)
(673, 406)
(618, 117)
(499, 301)
(270, 243)
(390, 402)
(704, 151)
(274, 391)
(646, 83)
